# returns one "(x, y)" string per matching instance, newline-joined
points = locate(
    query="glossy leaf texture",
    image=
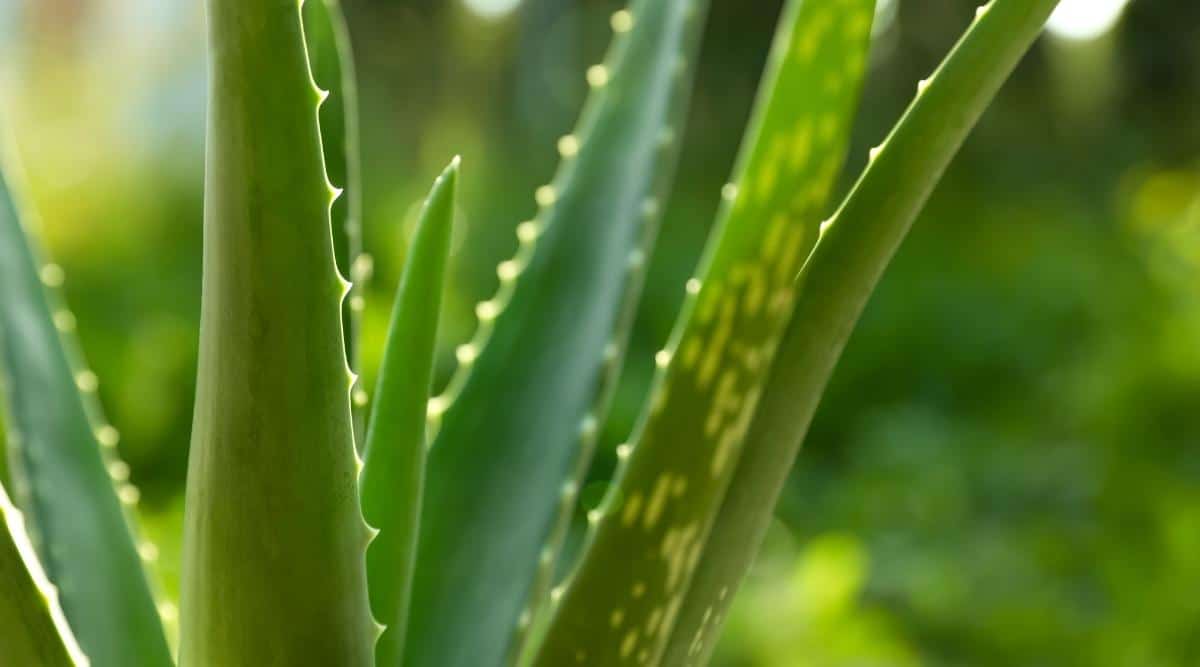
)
(394, 471)
(274, 565)
(33, 630)
(64, 463)
(834, 287)
(621, 604)
(514, 430)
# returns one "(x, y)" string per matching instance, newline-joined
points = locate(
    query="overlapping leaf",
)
(622, 602)
(514, 431)
(33, 630)
(65, 482)
(834, 287)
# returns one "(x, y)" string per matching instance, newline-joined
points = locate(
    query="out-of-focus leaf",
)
(63, 479)
(33, 630)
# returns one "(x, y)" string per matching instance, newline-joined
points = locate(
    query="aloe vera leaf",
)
(834, 287)
(332, 61)
(60, 470)
(274, 566)
(33, 630)
(394, 470)
(516, 426)
(620, 605)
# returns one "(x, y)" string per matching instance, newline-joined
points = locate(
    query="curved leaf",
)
(62, 476)
(621, 604)
(33, 630)
(834, 287)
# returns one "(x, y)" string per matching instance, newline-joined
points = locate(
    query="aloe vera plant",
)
(440, 545)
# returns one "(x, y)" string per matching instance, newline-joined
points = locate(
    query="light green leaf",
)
(332, 61)
(394, 472)
(33, 630)
(621, 604)
(516, 427)
(62, 478)
(834, 287)
(274, 567)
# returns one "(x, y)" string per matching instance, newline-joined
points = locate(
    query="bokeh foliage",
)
(1005, 469)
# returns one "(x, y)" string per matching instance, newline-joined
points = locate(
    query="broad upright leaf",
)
(62, 476)
(622, 602)
(33, 630)
(274, 568)
(394, 471)
(834, 287)
(515, 428)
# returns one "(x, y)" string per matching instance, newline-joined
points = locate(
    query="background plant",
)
(102, 373)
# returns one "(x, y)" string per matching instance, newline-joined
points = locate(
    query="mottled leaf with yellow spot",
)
(834, 287)
(622, 602)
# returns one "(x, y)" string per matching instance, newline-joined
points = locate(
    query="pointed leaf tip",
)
(393, 473)
(562, 297)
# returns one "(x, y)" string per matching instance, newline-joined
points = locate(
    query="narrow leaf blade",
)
(622, 602)
(515, 429)
(79, 525)
(33, 630)
(834, 288)
(394, 470)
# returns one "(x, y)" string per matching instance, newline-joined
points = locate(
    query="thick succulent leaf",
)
(33, 630)
(62, 476)
(394, 471)
(621, 604)
(834, 286)
(274, 566)
(332, 62)
(515, 428)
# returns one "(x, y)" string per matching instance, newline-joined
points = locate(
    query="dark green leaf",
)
(516, 427)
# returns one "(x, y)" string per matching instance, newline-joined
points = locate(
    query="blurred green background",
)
(1006, 467)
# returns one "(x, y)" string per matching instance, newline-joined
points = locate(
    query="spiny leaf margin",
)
(517, 424)
(63, 457)
(834, 287)
(621, 603)
(272, 469)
